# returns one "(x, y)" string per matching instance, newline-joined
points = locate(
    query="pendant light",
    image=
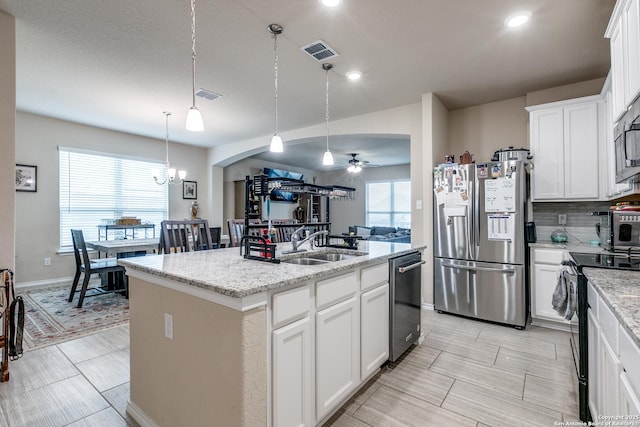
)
(327, 159)
(276, 142)
(170, 173)
(194, 118)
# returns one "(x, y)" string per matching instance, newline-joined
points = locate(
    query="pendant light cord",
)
(275, 78)
(193, 50)
(166, 140)
(327, 105)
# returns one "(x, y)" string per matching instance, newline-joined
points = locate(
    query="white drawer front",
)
(630, 358)
(335, 289)
(374, 276)
(549, 256)
(593, 298)
(291, 305)
(609, 325)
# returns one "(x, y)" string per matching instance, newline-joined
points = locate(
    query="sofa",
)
(384, 234)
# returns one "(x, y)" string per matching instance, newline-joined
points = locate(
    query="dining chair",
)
(215, 236)
(236, 230)
(184, 236)
(102, 266)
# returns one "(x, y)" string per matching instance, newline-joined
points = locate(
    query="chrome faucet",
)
(296, 242)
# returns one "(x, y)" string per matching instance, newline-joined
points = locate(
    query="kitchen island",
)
(217, 339)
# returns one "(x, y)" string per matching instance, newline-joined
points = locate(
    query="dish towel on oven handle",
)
(564, 298)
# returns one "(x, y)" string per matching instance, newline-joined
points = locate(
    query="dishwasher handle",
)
(410, 267)
(465, 267)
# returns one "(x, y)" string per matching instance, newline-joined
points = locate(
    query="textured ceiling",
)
(119, 64)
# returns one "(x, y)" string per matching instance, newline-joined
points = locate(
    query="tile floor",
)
(466, 373)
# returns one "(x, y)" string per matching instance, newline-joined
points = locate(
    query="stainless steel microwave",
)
(619, 231)
(627, 143)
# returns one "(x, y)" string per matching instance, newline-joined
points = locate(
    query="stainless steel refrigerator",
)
(479, 242)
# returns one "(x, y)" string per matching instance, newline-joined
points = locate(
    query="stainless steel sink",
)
(305, 261)
(330, 256)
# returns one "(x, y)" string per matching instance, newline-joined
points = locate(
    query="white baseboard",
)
(427, 306)
(559, 326)
(138, 414)
(43, 283)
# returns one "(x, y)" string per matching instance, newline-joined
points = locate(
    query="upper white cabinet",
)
(564, 141)
(624, 34)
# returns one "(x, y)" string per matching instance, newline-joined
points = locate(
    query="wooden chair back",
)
(215, 236)
(80, 249)
(184, 236)
(236, 230)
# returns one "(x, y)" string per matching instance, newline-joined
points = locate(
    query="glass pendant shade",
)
(194, 120)
(327, 159)
(170, 173)
(182, 174)
(276, 144)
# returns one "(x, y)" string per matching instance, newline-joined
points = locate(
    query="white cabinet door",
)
(631, 45)
(629, 402)
(337, 354)
(547, 141)
(292, 398)
(545, 279)
(581, 179)
(374, 321)
(594, 365)
(609, 377)
(617, 72)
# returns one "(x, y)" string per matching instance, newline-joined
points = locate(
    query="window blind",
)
(96, 188)
(388, 204)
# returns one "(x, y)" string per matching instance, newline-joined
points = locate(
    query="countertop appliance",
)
(479, 241)
(405, 280)
(619, 231)
(579, 331)
(627, 144)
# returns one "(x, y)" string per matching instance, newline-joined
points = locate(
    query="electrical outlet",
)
(168, 326)
(47, 262)
(562, 219)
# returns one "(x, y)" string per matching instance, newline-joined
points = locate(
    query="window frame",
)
(391, 213)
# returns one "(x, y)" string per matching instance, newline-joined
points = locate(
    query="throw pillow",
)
(363, 232)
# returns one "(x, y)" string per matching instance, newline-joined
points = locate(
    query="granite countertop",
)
(225, 272)
(569, 246)
(620, 289)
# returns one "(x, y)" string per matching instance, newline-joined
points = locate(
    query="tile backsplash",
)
(580, 223)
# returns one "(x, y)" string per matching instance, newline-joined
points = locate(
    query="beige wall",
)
(7, 144)
(213, 371)
(37, 139)
(570, 91)
(485, 128)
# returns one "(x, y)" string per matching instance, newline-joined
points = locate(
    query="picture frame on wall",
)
(26, 178)
(190, 190)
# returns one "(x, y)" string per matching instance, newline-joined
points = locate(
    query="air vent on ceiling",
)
(320, 50)
(207, 94)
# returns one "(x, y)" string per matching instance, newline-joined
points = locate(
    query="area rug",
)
(50, 319)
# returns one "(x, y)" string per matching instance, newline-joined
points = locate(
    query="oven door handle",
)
(411, 267)
(466, 267)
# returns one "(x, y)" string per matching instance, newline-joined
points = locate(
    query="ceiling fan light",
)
(357, 168)
(276, 144)
(194, 120)
(327, 159)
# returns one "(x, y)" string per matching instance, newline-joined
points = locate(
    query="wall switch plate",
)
(562, 219)
(47, 261)
(168, 326)
(418, 204)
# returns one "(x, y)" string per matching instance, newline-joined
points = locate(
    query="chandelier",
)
(170, 173)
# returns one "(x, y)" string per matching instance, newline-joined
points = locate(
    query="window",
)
(97, 187)
(388, 204)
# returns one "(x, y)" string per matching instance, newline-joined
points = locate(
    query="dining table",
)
(123, 247)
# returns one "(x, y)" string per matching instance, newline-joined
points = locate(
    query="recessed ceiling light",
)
(330, 3)
(354, 75)
(517, 19)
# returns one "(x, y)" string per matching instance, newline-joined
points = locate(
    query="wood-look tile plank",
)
(490, 406)
(342, 419)
(36, 369)
(388, 407)
(421, 355)
(118, 397)
(106, 417)
(96, 345)
(418, 382)
(474, 350)
(517, 340)
(56, 404)
(543, 367)
(362, 395)
(108, 371)
(543, 392)
(478, 373)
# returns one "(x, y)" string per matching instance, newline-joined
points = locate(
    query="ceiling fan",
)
(356, 165)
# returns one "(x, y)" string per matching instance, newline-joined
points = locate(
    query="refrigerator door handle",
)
(476, 216)
(467, 267)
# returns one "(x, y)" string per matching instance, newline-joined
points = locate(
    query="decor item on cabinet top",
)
(466, 158)
(511, 153)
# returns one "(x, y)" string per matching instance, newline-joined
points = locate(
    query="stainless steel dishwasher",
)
(405, 280)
